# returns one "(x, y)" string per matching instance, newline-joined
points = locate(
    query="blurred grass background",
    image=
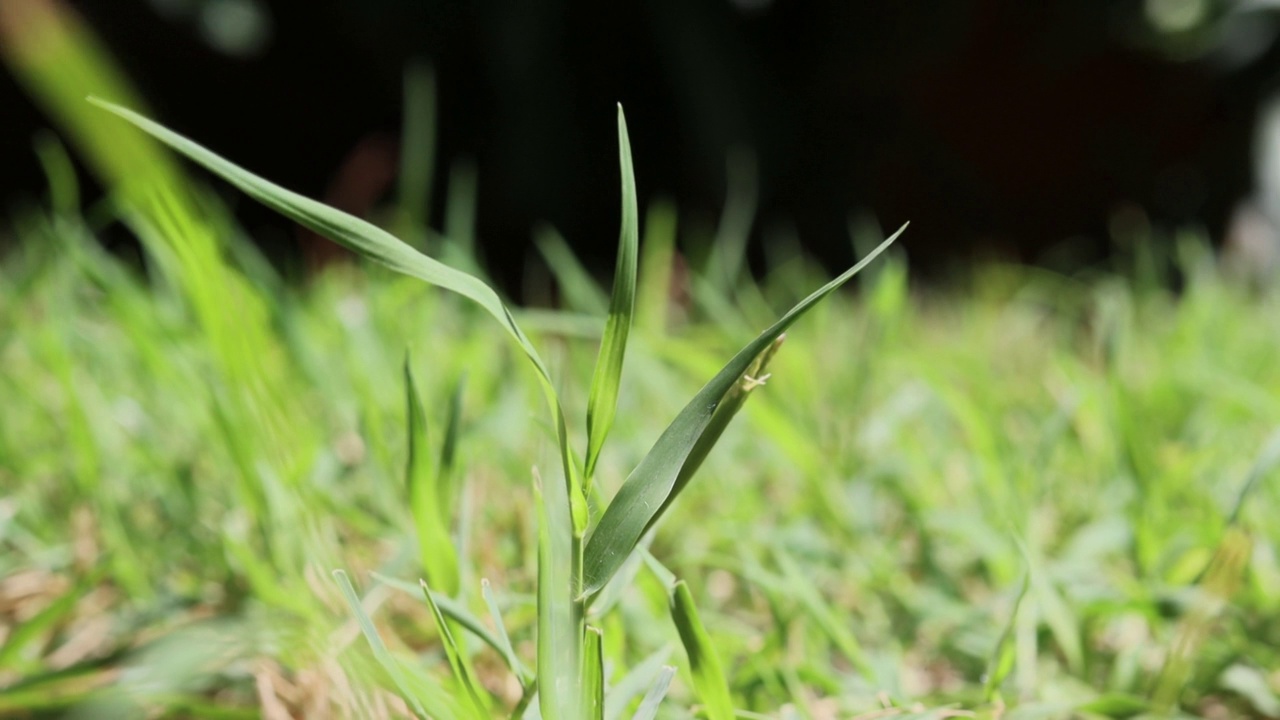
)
(1067, 480)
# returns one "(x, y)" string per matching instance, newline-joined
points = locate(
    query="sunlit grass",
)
(864, 529)
(1025, 496)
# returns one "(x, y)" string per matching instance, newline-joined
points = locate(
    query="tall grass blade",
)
(602, 403)
(380, 651)
(633, 684)
(593, 674)
(475, 694)
(504, 646)
(657, 259)
(436, 552)
(559, 622)
(1003, 655)
(648, 709)
(417, 151)
(448, 476)
(708, 677)
(578, 290)
(647, 491)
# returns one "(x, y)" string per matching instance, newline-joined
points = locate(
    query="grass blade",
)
(647, 491)
(657, 261)
(459, 614)
(593, 674)
(379, 246)
(648, 709)
(602, 403)
(380, 651)
(417, 151)
(506, 649)
(559, 622)
(708, 676)
(578, 290)
(1002, 656)
(436, 552)
(447, 484)
(634, 683)
(475, 694)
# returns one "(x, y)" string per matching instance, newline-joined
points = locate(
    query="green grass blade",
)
(453, 610)
(1002, 656)
(448, 476)
(647, 491)
(436, 552)
(559, 621)
(382, 247)
(417, 151)
(380, 651)
(504, 646)
(634, 683)
(602, 403)
(475, 693)
(593, 674)
(648, 709)
(708, 677)
(351, 232)
(657, 263)
(578, 290)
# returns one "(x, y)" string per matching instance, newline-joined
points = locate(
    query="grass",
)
(224, 495)
(863, 529)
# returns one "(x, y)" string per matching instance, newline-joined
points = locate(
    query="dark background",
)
(1001, 127)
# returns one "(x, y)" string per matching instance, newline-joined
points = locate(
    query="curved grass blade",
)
(602, 403)
(475, 694)
(647, 491)
(648, 709)
(382, 247)
(436, 553)
(708, 675)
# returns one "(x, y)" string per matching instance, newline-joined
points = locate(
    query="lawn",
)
(1019, 495)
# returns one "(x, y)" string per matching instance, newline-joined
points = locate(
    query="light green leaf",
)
(634, 683)
(1002, 656)
(380, 246)
(380, 651)
(503, 640)
(648, 709)
(459, 614)
(708, 676)
(436, 551)
(475, 693)
(648, 490)
(602, 403)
